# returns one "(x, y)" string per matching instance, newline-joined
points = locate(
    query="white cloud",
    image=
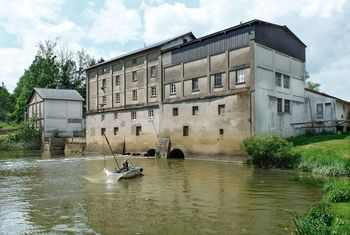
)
(114, 23)
(30, 22)
(166, 20)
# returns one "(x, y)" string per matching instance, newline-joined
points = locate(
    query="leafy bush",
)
(338, 190)
(270, 152)
(26, 138)
(317, 221)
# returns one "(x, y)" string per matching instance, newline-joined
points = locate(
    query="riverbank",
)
(19, 137)
(327, 155)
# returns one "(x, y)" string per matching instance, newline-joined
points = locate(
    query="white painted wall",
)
(267, 120)
(63, 115)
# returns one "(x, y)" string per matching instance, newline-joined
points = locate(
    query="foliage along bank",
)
(327, 155)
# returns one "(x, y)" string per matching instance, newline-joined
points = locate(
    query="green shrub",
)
(337, 190)
(26, 138)
(270, 152)
(316, 221)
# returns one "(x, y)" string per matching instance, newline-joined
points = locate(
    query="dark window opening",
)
(221, 109)
(279, 105)
(175, 111)
(103, 131)
(319, 111)
(221, 131)
(287, 106)
(195, 110)
(138, 130)
(115, 130)
(185, 131)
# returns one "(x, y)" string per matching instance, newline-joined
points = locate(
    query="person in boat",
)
(125, 166)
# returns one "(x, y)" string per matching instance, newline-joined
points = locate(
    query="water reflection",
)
(174, 197)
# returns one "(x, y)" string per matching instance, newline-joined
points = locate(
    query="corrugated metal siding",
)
(214, 45)
(279, 39)
(275, 37)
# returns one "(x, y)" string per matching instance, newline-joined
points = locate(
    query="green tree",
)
(6, 103)
(51, 68)
(42, 73)
(313, 85)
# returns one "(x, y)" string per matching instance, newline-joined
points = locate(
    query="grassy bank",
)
(326, 155)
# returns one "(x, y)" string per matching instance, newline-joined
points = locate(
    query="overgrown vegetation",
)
(6, 103)
(270, 152)
(25, 138)
(327, 155)
(331, 215)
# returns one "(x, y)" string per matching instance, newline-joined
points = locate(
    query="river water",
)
(60, 195)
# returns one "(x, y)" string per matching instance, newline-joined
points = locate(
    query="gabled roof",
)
(57, 94)
(158, 44)
(326, 95)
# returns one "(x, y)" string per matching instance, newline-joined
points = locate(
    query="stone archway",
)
(176, 154)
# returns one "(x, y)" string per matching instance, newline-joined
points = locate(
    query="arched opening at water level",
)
(177, 154)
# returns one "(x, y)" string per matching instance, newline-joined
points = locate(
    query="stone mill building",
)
(202, 96)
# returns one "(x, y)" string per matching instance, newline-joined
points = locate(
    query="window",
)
(221, 131)
(134, 94)
(150, 113)
(279, 105)
(154, 71)
(286, 81)
(175, 112)
(195, 110)
(115, 115)
(138, 130)
(103, 131)
(172, 89)
(218, 80)
(319, 111)
(134, 76)
(133, 115)
(104, 99)
(116, 130)
(103, 83)
(102, 117)
(278, 79)
(153, 91)
(240, 76)
(134, 61)
(117, 97)
(287, 106)
(195, 86)
(185, 131)
(221, 109)
(117, 80)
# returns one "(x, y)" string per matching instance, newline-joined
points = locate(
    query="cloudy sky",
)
(107, 28)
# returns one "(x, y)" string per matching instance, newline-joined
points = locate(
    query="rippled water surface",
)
(73, 196)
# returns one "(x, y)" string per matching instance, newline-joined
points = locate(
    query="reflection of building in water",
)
(205, 95)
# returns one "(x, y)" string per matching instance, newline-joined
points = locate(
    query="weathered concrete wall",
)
(204, 128)
(126, 129)
(267, 120)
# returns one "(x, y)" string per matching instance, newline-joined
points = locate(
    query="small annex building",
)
(57, 111)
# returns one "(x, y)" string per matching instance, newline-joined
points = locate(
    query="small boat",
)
(132, 172)
(121, 173)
